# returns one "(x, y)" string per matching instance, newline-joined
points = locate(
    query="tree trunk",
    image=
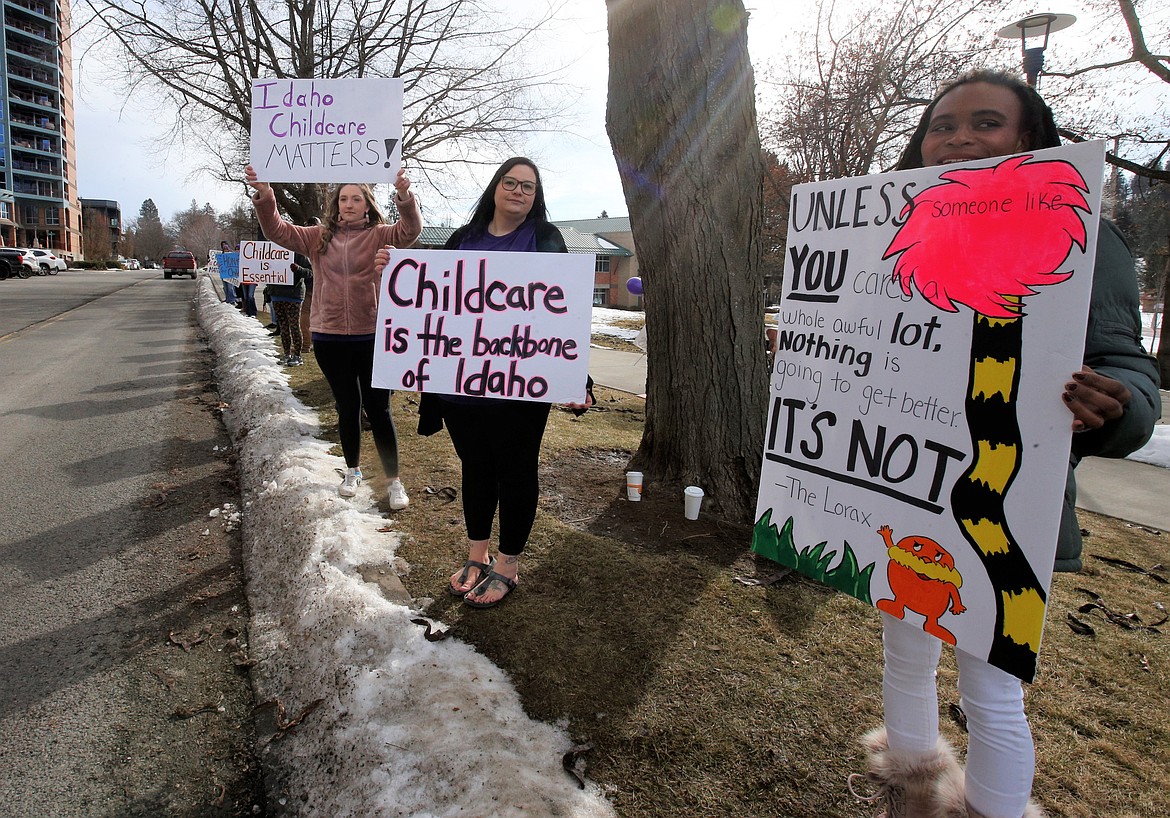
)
(681, 118)
(1164, 337)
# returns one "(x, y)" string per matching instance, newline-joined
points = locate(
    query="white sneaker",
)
(349, 484)
(398, 498)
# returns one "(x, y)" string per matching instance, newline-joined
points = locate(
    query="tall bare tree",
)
(467, 85)
(682, 121)
(197, 229)
(846, 104)
(1122, 85)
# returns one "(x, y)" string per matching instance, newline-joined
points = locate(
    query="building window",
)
(32, 215)
(600, 295)
(5, 210)
(602, 264)
(52, 215)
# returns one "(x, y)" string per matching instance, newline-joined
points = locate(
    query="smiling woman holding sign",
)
(1113, 402)
(498, 441)
(345, 308)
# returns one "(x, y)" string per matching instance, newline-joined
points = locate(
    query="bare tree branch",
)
(467, 84)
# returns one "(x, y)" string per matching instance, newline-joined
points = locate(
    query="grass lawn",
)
(709, 687)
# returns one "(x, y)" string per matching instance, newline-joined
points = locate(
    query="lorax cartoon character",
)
(923, 579)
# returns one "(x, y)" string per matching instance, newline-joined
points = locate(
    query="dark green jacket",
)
(1113, 347)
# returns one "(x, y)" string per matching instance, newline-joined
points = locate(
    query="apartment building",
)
(38, 171)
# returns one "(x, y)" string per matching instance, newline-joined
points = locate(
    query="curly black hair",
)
(1038, 125)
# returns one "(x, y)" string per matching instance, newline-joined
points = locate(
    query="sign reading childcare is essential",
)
(917, 445)
(485, 324)
(342, 130)
(228, 265)
(262, 262)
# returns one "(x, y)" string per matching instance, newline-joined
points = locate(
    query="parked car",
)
(12, 263)
(48, 261)
(133, 264)
(30, 262)
(177, 263)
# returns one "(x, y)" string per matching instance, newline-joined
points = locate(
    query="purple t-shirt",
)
(520, 240)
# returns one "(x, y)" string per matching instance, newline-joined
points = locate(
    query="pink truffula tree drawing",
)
(985, 239)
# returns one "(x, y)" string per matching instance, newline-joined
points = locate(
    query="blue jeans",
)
(248, 294)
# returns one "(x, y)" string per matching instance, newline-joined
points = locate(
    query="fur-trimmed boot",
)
(951, 796)
(906, 782)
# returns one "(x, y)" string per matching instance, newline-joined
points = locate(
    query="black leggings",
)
(499, 447)
(348, 366)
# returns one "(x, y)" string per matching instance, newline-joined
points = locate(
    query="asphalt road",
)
(121, 598)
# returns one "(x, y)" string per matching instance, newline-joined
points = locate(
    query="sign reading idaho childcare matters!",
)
(916, 444)
(262, 262)
(486, 324)
(346, 130)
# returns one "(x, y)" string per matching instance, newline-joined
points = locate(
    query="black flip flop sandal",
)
(484, 570)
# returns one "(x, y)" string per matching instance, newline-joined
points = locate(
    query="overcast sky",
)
(118, 156)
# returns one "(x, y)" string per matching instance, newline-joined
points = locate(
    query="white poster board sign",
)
(262, 262)
(916, 445)
(486, 324)
(345, 130)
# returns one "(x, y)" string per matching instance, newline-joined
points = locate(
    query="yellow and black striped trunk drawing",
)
(977, 499)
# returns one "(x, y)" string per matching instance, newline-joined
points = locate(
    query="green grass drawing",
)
(778, 546)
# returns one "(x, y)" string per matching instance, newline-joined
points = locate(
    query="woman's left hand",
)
(381, 259)
(1094, 399)
(581, 407)
(402, 186)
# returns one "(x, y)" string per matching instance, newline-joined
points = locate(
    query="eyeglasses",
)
(508, 183)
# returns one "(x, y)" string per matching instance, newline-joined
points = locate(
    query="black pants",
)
(499, 447)
(348, 366)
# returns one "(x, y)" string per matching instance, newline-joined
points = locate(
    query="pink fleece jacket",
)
(345, 289)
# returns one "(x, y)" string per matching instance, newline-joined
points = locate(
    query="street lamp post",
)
(1035, 25)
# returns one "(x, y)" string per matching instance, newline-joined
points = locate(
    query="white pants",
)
(1001, 759)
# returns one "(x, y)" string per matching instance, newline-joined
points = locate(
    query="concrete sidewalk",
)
(1126, 489)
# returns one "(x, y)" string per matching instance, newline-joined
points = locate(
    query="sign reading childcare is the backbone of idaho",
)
(916, 445)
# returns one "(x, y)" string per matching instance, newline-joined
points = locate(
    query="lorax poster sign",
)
(916, 445)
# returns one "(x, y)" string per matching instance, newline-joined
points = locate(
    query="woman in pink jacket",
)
(344, 312)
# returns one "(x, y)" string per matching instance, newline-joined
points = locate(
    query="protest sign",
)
(487, 324)
(341, 130)
(916, 444)
(262, 262)
(228, 265)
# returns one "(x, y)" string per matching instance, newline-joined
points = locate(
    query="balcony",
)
(31, 5)
(37, 98)
(41, 32)
(42, 122)
(25, 143)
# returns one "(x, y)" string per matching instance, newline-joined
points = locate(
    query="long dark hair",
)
(485, 208)
(1037, 125)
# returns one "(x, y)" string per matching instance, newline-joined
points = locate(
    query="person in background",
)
(345, 308)
(229, 289)
(1114, 402)
(497, 441)
(285, 301)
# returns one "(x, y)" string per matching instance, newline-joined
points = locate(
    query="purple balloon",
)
(634, 285)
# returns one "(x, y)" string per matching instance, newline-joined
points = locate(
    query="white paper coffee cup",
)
(634, 485)
(692, 500)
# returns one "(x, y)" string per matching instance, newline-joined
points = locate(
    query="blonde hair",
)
(374, 214)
